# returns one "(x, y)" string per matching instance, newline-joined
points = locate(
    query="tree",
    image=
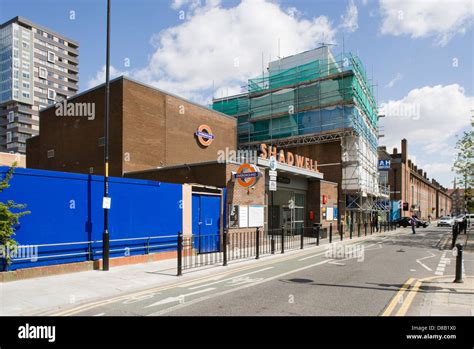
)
(10, 213)
(464, 167)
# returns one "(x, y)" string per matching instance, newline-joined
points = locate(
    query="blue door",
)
(206, 223)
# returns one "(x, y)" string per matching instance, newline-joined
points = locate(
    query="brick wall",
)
(148, 129)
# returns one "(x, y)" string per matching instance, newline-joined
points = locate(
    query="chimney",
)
(424, 175)
(404, 150)
(420, 172)
(395, 151)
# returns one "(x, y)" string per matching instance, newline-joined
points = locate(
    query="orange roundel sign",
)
(247, 175)
(204, 135)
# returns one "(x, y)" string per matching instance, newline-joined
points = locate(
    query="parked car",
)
(460, 218)
(405, 222)
(445, 221)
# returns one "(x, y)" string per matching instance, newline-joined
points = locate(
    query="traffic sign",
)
(272, 185)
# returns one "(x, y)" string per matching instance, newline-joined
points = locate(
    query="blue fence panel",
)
(67, 208)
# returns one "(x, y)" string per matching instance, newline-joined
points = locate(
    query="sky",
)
(418, 54)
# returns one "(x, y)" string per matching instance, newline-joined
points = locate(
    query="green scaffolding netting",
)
(293, 91)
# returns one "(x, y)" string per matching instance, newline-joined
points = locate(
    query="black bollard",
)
(458, 278)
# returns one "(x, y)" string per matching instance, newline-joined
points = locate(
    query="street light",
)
(106, 199)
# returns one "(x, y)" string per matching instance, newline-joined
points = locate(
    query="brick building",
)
(158, 136)
(458, 200)
(411, 186)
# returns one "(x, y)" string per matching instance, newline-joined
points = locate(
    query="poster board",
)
(256, 216)
(233, 216)
(243, 216)
(329, 213)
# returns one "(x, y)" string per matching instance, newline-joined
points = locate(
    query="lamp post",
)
(106, 199)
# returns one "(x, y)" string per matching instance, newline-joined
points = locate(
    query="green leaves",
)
(9, 219)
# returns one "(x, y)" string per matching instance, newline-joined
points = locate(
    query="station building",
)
(157, 136)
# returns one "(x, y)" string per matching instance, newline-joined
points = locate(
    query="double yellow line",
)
(92, 305)
(406, 302)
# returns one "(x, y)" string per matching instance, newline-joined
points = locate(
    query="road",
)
(356, 277)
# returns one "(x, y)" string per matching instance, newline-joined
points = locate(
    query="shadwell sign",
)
(288, 158)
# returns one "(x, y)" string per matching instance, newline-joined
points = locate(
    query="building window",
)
(51, 94)
(50, 153)
(11, 116)
(41, 106)
(43, 73)
(51, 56)
(25, 94)
(9, 137)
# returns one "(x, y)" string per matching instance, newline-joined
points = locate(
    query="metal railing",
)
(89, 250)
(203, 250)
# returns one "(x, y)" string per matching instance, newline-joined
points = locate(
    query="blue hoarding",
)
(67, 208)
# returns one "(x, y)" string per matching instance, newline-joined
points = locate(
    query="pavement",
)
(363, 276)
(441, 297)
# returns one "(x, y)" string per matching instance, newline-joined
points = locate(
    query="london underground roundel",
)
(247, 175)
(204, 135)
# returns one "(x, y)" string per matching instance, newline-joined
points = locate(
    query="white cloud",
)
(439, 19)
(428, 117)
(99, 77)
(392, 82)
(219, 46)
(350, 18)
(437, 168)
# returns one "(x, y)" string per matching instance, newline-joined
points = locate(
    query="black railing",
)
(202, 250)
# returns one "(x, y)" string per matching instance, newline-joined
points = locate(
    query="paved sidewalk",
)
(44, 295)
(28, 297)
(442, 297)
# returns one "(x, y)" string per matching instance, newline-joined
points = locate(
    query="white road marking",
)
(179, 298)
(419, 261)
(312, 256)
(412, 269)
(100, 314)
(337, 263)
(231, 278)
(442, 264)
(194, 301)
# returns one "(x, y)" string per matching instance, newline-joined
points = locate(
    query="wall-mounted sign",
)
(384, 165)
(273, 163)
(283, 179)
(247, 175)
(256, 216)
(233, 216)
(272, 186)
(243, 216)
(330, 214)
(204, 135)
(288, 158)
(325, 199)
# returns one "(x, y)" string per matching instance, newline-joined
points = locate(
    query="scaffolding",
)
(320, 101)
